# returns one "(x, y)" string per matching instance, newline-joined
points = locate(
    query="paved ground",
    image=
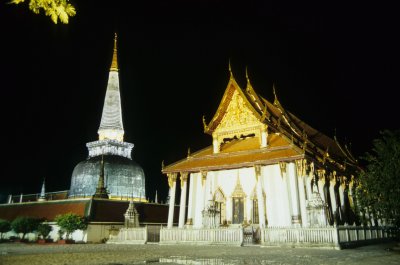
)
(104, 254)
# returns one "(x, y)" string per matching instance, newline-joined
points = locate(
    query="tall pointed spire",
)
(114, 62)
(111, 126)
(101, 191)
(42, 196)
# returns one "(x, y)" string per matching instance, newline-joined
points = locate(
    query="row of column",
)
(336, 192)
(172, 177)
(172, 190)
(298, 184)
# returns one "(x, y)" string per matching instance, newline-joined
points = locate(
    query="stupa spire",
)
(42, 196)
(114, 62)
(111, 126)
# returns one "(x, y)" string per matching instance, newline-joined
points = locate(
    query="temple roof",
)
(239, 153)
(305, 141)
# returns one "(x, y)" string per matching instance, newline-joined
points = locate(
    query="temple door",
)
(238, 198)
(238, 210)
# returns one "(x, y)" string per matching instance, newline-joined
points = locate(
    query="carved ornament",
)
(171, 179)
(282, 166)
(184, 177)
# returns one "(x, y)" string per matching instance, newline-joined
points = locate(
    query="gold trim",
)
(282, 166)
(114, 62)
(184, 178)
(203, 177)
(171, 179)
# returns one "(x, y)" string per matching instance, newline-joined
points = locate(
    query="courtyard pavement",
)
(105, 254)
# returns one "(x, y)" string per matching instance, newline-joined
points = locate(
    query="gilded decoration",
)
(282, 166)
(203, 177)
(184, 177)
(238, 120)
(321, 174)
(238, 191)
(257, 169)
(171, 179)
(301, 167)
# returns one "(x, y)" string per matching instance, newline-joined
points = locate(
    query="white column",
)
(294, 194)
(260, 197)
(332, 194)
(172, 188)
(321, 183)
(308, 185)
(341, 193)
(215, 145)
(303, 205)
(301, 165)
(286, 210)
(182, 208)
(203, 190)
(264, 136)
(190, 203)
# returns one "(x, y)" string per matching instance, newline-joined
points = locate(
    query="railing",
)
(223, 236)
(137, 235)
(353, 234)
(336, 237)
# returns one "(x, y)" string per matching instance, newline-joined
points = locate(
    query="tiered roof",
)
(289, 138)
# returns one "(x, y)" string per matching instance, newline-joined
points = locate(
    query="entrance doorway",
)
(238, 210)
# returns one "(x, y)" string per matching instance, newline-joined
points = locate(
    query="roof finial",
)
(248, 87)
(114, 63)
(276, 101)
(230, 68)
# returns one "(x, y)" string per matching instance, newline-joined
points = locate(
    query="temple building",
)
(123, 177)
(265, 168)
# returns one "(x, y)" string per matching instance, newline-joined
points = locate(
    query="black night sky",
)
(334, 66)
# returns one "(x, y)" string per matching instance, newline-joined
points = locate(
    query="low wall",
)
(331, 237)
(217, 236)
(137, 235)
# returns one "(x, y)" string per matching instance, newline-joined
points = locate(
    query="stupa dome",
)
(123, 178)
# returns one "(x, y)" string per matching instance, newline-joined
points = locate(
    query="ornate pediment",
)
(238, 121)
(238, 117)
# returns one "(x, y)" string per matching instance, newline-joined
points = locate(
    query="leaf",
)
(16, 1)
(63, 17)
(53, 16)
(70, 10)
